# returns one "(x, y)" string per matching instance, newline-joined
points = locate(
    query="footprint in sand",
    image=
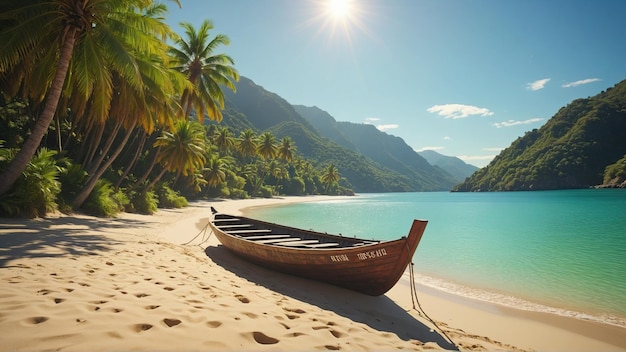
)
(263, 339)
(59, 300)
(171, 322)
(37, 320)
(214, 324)
(242, 299)
(141, 327)
(152, 307)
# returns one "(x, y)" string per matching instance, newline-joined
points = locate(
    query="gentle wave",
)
(510, 301)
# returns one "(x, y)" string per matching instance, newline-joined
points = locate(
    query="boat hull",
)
(371, 269)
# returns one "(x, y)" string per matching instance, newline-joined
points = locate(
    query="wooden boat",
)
(367, 266)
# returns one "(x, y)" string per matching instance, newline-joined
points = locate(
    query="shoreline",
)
(484, 294)
(606, 332)
(83, 283)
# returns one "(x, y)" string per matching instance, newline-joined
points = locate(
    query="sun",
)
(339, 8)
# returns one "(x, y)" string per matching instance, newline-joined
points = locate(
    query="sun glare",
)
(339, 8)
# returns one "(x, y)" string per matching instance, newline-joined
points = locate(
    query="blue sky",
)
(464, 78)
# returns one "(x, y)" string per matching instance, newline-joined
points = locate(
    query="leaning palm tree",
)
(41, 40)
(208, 72)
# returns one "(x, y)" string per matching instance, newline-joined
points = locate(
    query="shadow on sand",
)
(57, 237)
(380, 313)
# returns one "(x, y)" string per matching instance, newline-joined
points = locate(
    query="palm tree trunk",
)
(156, 179)
(58, 128)
(30, 146)
(91, 182)
(147, 173)
(95, 165)
(132, 163)
(94, 144)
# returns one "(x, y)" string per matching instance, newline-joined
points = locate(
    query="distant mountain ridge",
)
(387, 150)
(456, 167)
(371, 160)
(579, 147)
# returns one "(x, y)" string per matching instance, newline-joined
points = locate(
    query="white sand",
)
(83, 283)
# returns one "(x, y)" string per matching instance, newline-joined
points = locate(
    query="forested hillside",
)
(387, 150)
(572, 150)
(370, 160)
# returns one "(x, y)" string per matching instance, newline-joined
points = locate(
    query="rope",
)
(203, 233)
(421, 310)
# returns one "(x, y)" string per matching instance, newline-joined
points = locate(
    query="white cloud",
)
(539, 84)
(581, 82)
(428, 148)
(447, 138)
(458, 111)
(495, 149)
(477, 160)
(371, 120)
(390, 126)
(516, 122)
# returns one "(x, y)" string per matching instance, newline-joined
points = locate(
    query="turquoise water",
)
(557, 251)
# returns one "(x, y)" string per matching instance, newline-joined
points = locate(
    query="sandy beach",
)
(162, 283)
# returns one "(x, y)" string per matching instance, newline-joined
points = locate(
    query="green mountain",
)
(389, 165)
(572, 150)
(452, 165)
(387, 150)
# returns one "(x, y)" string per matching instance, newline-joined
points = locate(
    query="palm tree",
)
(39, 41)
(206, 71)
(267, 148)
(224, 140)
(247, 143)
(330, 176)
(286, 149)
(215, 171)
(182, 150)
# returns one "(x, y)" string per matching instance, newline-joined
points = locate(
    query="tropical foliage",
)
(98, 113)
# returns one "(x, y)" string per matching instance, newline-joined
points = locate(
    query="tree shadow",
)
(380, 313)
(58, 237)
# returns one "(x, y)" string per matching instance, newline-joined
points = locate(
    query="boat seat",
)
(322, 245)
(298, 243)
(234, 225)
(225, 220)
(262, 237)
(249, 231)
(278, 240)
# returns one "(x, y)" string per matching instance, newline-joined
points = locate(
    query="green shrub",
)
(238, 194)
(72, 178)
(168, 198)
(101, 200)
(35, 191)
(145, 202)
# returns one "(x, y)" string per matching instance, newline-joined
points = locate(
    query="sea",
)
(562, 252)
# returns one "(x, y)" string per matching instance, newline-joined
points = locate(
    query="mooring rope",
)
(203, 233)
(421, 311)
